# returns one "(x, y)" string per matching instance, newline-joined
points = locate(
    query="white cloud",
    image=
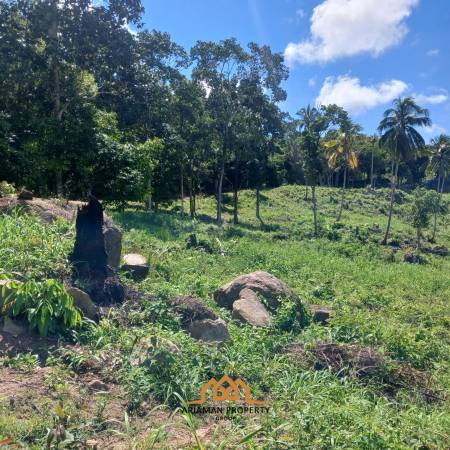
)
(433, 52)
(312, 81)
(351, 95)
(435, 99)
(435, 130)
(342, 28)
(300, 13)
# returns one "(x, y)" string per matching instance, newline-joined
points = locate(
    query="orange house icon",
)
(226, 389)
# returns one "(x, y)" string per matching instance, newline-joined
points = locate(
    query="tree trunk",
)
(59, 183)
(149, 189)
(306, 192)
(418, 237)
(219, 193)
(182, 189)
(440, 191)
(235, 206)
(314, 208)
(236, 193)
(391, 206)
(342, 195)
(371, 173)
(258, 201)
(191, 199)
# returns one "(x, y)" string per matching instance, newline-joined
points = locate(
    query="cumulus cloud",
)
(435, 99)
(342, 28)
(350, 94)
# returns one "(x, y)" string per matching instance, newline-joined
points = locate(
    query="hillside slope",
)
(380, 303)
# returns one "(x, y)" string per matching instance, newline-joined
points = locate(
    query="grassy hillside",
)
(378, 300)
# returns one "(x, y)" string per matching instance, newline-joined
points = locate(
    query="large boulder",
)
(191, 309)
(83, 302)
(263, 283)
(209, 330)
(136, 265)
(249, 309)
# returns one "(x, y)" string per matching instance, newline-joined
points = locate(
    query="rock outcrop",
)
(244, 294)
(263, 283)
(249, 309)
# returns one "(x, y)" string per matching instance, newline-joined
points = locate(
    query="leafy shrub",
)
(45, 304)
(6, 189)
(291, 316)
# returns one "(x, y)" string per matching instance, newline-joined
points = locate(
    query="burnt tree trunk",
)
(89, 257)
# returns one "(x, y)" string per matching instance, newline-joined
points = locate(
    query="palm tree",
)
(312, 124)
(342, 150)
(439, 165)
(399, 134)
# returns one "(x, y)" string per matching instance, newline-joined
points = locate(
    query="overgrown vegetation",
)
(399, 310)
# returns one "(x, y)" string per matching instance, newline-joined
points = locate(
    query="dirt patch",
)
(16, 383)
(341, 359)
(11, 345)
(367, 364)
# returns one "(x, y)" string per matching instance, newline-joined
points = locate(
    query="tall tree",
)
(439, 166)
(399, 134)
(312, 124)
(225, 68)
(341, 149)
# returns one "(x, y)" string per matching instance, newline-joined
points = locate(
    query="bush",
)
(45, 305)
(6, 189)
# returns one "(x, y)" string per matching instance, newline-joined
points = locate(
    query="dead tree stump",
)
(89, 257)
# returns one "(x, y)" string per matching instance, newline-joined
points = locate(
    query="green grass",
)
(400, 309)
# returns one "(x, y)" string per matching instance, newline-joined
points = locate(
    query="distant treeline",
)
(86, 105)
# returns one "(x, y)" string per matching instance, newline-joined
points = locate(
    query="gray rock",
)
(321, 314)
(262, 283)
(97, 385)
(252, 311)
(113, 243)
(83, 301)
(209, 330)
(136, 266)
(13, 327)
(25, 195)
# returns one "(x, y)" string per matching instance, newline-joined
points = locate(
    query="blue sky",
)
(358, 53)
